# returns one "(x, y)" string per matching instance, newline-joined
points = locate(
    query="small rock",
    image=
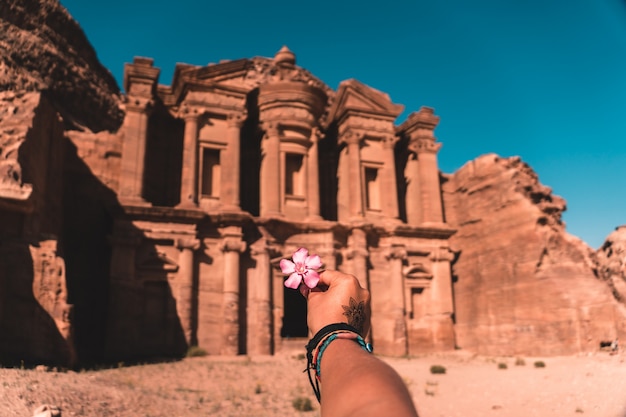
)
(47, 411)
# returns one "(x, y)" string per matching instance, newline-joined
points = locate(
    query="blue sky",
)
(541, 79)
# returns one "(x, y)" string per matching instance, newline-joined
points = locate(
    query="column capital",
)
(190, 111)
(140, 104)
(259, 248)
(188, 243)
(389, 141)
(236, 119)
(270, 128)
(396, 252)
(351, 137)
(354, 253)
(316, 134)
(233, 245)
(425, 145)
(442, 254)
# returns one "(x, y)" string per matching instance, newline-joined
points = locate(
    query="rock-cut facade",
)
(235, 166)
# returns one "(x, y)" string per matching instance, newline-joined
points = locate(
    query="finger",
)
(304, 290)
(329, 278)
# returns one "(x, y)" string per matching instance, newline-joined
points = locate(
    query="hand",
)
(338, 298)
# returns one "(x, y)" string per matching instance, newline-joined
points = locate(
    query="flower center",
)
(301, 269)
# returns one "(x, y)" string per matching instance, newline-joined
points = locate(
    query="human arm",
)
(353, 382)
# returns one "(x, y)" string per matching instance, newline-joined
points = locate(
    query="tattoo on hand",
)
(355, 314)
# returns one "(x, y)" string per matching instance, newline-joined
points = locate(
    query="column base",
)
(187, 205)
(134, 201)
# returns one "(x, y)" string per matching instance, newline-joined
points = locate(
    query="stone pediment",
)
(356, 97)
(242, 74)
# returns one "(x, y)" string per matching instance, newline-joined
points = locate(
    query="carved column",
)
(232, 246)
(441, 287)
(329, 257)
(270, 172)
(395, 256)
(313, 186)
(413, 191)
(354, 171)
(429, 180)
(259, 302)
(357, 252)
(231, 166)
(186, 299)
(389, 184)
(138, 111)
(189, 175)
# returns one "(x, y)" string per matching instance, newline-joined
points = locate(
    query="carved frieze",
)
(219, 101)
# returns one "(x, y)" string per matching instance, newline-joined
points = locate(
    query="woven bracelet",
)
(320, 342)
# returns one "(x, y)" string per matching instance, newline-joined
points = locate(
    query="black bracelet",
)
(310, 348)
(326, 330)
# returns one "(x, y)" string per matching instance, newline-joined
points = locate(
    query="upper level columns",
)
(429, 181)
(189, 174)
(140, 80)
(313, 186)
(270, 171)
(231, 177)
(389, 190)
(353, 141)
(134, 149)
(423, 196)
(413, 199)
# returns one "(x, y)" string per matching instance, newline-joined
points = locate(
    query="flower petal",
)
(293, 281)
(313, 262)
(287, 266)
(311, 279)
(300, 255)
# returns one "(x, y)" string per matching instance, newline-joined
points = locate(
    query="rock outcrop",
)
(43, 48)
(522, 284)
(611, 258)
(52, 87)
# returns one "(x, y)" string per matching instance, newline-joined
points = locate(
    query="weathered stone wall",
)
(522, 284)
(36, 314)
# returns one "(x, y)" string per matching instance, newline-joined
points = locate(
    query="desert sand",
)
(592, 385)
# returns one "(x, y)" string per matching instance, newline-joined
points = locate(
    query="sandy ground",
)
(586, 386)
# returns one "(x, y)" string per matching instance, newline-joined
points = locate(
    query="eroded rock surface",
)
(612, 262)
(522, 284)
(43, 48)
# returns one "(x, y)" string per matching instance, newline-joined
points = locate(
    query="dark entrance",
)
(294, 317)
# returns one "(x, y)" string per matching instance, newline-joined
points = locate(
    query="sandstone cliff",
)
(522, 284)
(612, 262)
(52, 206)
(43, 48)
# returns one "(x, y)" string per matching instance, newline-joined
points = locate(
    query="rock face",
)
(522, 284)
(611, 258)
(35, 316)
(50, 200)
(43, 48)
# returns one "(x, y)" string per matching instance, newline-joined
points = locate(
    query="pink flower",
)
(303, 267)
